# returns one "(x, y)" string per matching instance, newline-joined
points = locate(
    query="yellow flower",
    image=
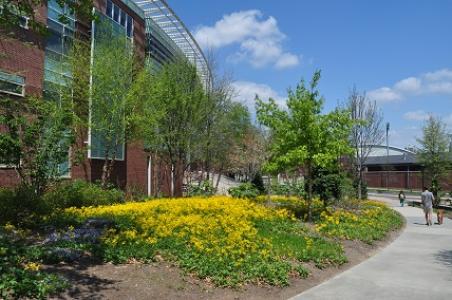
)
(32, 266)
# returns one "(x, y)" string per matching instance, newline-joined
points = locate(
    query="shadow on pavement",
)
(444, 257)
(83, 285)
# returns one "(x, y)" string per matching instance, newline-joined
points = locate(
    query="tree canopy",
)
(301, 136)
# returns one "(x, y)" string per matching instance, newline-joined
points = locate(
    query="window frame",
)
(4, 79)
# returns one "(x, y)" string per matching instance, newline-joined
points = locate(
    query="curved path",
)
(417, 265)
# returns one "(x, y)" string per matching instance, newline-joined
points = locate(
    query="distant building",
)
(397, 168)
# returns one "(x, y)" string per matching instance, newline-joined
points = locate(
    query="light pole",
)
(387, 152)
(387, 140)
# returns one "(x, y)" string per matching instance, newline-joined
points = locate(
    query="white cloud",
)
(260, 39)
(418, 115)
(410, 84)
(438, 82)
(384, 94)
(287, 60)
(246, 92)
(444, 74)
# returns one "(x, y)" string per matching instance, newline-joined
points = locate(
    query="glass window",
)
(116, 13)
(23, 22)
(54, 5)
(123, 18)
(109, 11)
(129, 26)
(54, 26)
(98, 146)
(54, 42)
(67, 45)
(12, 84)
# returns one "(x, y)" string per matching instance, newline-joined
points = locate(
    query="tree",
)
(106, 79)
(229, 135)
(433, 150)
(12, 13)
(35, 139)
(366, 132)
(303, 138)
(173, 116)
(226, 123)
(248, 153)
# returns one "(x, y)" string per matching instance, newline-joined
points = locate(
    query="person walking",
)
(402, 198)
(427, 203)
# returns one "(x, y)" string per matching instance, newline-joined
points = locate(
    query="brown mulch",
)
(162, 280)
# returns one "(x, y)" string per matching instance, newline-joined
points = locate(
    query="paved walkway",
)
(417, 265)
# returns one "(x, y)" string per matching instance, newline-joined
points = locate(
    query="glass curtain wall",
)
(58, 45)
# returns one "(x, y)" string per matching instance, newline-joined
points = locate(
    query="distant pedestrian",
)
(427, 202)
(402, 198)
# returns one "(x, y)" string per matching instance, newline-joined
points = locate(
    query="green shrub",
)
(204, 188)
(19, 205)
(245, 190)
(80, 193)
(258, 182)
(289, 189)
(281, 189)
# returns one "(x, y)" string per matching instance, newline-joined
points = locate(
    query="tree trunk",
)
(172, 180)
(360, 182)
(309, 178)
(218, 178)
(105, 173)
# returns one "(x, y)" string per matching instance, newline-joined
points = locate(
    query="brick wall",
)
(22, 53)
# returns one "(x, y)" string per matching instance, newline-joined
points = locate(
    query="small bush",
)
(204, 188)
(80, 193)
(289, 189)
(245, 190)
(19, 205)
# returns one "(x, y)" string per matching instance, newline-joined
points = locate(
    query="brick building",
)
(399, 169)
(32, 64)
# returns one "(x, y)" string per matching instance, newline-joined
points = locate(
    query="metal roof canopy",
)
(160, 12)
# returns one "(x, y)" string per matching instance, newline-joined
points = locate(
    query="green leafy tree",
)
(105, 85)
(303, 138)
(433, 152)
(172, 121)
(35, 139)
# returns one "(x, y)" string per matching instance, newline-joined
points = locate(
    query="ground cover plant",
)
(368, 223)
(21, 275)
(230, 241)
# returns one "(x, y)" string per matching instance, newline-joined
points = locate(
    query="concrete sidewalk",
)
(417, 265)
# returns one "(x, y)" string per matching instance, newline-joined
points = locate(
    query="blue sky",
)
(399, 52)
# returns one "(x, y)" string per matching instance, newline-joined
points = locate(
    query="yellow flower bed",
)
(218, 225)
(372, 221)
(229, 240)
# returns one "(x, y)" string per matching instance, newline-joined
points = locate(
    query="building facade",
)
(33, 64)
(396, 168)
